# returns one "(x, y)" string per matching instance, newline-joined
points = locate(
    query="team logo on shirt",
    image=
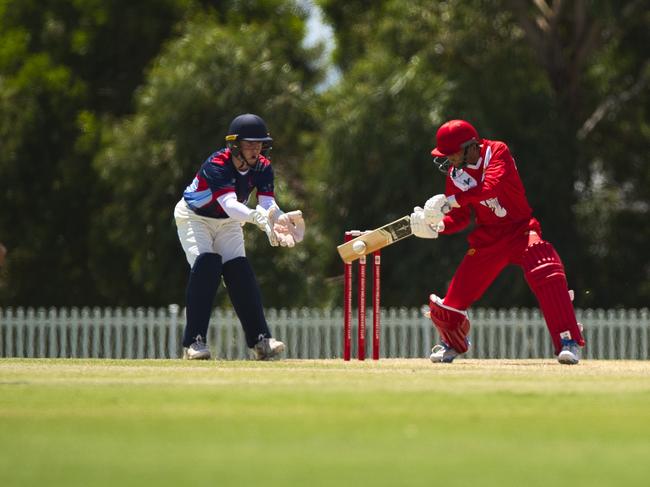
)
(463, 180)
(494, 205)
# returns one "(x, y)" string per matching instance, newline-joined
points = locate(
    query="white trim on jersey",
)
(486, 161)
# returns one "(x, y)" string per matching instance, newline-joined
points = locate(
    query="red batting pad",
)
(452, 325)
(545, 275)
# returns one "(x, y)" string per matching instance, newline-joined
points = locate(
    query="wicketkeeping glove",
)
(260, 217)
(289, 228)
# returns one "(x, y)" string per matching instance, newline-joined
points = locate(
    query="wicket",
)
(361, 303)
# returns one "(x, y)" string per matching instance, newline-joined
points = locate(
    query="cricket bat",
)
(375, 239)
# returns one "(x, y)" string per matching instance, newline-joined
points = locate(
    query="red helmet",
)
(453, 136)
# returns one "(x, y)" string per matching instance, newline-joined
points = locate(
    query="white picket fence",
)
(308, 333)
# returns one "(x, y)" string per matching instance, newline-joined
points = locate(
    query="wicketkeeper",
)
(482, 179)
(209, 219)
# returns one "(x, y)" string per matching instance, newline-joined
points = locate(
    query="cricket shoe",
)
(267, 349)
(570, 353)
(443, 353)
(197, 350)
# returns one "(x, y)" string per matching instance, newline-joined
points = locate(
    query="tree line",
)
(108, 108)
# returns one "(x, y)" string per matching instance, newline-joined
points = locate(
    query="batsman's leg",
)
(201, 289)
(453, 327)
(477, 270)
(246, 298)
(545, 275)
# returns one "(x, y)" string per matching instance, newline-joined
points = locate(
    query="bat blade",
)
(377, 239)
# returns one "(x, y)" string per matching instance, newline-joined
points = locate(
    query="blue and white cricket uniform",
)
(210, 215)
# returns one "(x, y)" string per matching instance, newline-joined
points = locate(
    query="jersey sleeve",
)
(233, 208)
(219, 178)
(213, 179)
(498, 167)
(458, 218)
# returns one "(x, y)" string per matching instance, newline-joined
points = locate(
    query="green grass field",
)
(323, 423)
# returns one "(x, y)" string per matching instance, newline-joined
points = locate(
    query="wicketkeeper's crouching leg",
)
(453, 326)
(246, 298)
(545, 275)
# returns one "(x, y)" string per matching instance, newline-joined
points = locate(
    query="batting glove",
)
(435, 208)
(421, 228)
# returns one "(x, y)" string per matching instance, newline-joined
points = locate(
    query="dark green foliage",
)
(199, 83)
(108, 108)
(64, 67)
(531, 77)
(80, 233)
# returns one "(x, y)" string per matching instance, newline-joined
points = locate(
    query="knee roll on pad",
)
(541, 263)
(453, 325)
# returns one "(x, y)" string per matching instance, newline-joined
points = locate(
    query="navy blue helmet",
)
(248, 127)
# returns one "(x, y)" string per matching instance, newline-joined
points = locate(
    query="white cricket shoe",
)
(197, 350)
(570, 353)
(267, 349)
(443, 353)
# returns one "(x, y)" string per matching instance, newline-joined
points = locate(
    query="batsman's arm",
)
(500, 164)
(457, 220)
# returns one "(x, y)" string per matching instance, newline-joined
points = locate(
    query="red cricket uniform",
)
(505, 233)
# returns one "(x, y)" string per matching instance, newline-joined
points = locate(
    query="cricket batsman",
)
(209, 218)
(482, 179)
